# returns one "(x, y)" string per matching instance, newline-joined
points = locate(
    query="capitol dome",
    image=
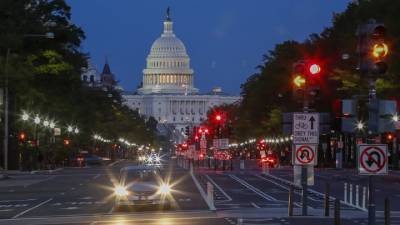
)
(168, 65)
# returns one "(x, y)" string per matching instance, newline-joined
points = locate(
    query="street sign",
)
(191, 151)
(203, 144)
(372, 159)
(305, 154)
(305, 128)
(222, 143)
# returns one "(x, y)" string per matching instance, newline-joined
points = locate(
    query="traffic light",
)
(66, 142)
(218, 117)
(187, 130)
(372, 48)
(299, 80)
(21, 136)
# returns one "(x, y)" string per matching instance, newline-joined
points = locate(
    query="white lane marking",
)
(71, 208)
(219, 188)
(30, 209)
(286, 188)
(254, 189)
(202, 193)
(6, 210)
(18, 200)
(97, 176)
(331, 198)
(255, 205)
(87, 198)
(114, 163)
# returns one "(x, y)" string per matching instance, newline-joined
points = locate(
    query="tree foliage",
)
(268, 93)
(44, 74)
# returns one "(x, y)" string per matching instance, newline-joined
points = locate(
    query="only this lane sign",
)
(305, 128)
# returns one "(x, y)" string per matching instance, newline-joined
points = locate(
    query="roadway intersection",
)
(84, 196)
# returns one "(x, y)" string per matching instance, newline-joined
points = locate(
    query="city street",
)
(85, 196)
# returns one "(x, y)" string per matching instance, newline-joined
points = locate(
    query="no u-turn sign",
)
(372, 159)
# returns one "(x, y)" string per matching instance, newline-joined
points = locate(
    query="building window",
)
(85, 78)
(192, 119)
(181, 118)
(173, 119)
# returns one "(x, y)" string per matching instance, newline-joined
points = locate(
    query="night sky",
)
(225, 39)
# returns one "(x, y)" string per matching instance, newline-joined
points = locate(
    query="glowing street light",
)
(37, 120)
(76, 130)
(52, 124)
(360, 125)
(70, 129)
(25, 116)
(395, 118)
(46, 123)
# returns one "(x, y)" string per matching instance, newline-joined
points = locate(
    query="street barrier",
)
(387, 211)
(290, 201)
(348, 196)
(326, 199)
(337, 212)
(210, 194)
(242, 164)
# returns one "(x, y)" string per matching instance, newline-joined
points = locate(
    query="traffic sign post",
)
(372, 161)
(305, 139)
(305, 154)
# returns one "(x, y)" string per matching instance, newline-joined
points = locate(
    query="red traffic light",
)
(22, 136)
(390, 137)
(218, 117)
(66, 142)
(314, 69)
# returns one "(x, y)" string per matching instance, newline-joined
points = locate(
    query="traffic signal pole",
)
(304, 169)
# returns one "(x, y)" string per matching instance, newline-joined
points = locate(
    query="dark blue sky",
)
(224, 38)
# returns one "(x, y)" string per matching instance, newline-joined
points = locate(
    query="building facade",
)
(168, 93)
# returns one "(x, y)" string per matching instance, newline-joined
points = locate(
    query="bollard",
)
(326, 199)
(215, 164)
(231, 164)
(242, 164)
(345, 192)
(210, 195)
(351, 194)
(364, 197)
(357, 196)
(290, 202)
(337, 212)
(387, 211)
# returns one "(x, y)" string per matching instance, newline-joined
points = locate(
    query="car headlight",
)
(120, 191)
(164, 189)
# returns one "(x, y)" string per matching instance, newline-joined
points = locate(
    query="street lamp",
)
(360, 125)
(52, 124)
(395, 118)
(76, 130)
(37, 120)
(70, 129)
(46, 123)
(25, 116)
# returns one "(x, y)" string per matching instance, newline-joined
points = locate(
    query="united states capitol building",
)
(167, 92)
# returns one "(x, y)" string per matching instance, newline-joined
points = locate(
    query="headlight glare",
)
(120, 191)
(164, 189)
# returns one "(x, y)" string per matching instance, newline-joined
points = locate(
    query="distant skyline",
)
(225, 39)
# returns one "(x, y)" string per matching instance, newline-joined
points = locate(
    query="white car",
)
(141, 186)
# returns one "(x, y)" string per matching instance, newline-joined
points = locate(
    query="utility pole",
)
(5, 137)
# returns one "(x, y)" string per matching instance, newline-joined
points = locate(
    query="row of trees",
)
(44, 75)
(268, 93)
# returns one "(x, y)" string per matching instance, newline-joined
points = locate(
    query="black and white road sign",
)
(305, 154)
(372, 159)
(305, 128)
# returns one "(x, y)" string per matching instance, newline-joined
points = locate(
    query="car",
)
(140, 186)
(88, 159)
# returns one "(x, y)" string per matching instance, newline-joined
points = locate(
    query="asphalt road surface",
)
(85, 196)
